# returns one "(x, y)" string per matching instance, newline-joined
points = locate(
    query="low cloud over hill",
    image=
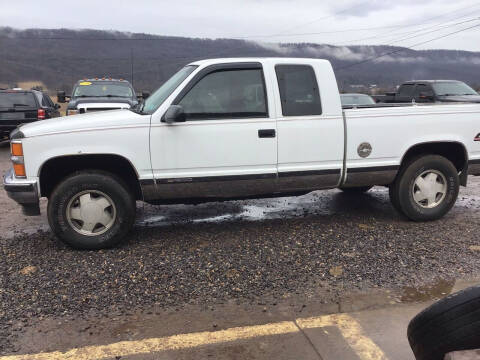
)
(60, 57)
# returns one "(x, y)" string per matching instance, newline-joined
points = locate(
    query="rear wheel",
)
(426, 188)
(91, 210)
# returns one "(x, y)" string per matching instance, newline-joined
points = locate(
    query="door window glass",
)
(238, 93)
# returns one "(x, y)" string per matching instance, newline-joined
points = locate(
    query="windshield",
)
(17, 99)
(357, 100)
(452, 89)
(164, 91)
(91, 89)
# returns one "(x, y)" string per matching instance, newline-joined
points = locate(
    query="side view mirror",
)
(143, 95)
(174, 114)
(61, 97)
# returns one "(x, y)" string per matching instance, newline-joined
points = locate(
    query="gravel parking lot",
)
(319, 246)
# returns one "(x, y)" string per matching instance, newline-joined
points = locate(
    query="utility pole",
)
(131, 62)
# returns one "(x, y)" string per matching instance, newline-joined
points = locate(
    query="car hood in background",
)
(460, 98)
(76, 102)
(86, 122)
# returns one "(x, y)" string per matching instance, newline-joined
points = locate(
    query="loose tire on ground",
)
(434, 172)
(88, 193)
(451, 324)
(356, 190)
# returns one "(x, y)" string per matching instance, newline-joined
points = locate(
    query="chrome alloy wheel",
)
(429, 189)
(91, 212)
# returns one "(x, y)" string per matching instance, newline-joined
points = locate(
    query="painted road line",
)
(349, 327)
(175, 342)
(351, 330)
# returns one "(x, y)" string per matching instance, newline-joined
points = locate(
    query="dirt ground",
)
(312, 254)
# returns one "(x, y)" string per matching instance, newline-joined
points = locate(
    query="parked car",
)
(356, 99)
(210, 133)
(19, 107)
(100, 94)
(431, 91)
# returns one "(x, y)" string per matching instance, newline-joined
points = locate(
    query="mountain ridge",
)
(59, 57)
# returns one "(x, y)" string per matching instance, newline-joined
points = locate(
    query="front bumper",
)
(24, 192)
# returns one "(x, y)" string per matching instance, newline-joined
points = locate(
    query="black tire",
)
(394, 199)
(355, 190)
(451, 324)
(104, 182)
(401, 191)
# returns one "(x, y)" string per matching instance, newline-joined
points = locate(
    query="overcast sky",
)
(340, 22)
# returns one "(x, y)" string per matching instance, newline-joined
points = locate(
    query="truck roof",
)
(257, 59)
(104, 79)
(428, 81)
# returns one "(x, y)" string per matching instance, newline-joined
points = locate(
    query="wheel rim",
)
(429, 189)
(91, 212)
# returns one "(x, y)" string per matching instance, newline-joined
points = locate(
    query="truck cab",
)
(90, 95)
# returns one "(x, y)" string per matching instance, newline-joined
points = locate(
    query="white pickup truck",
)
(238, 128)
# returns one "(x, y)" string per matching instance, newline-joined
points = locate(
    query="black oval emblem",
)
(364, 149)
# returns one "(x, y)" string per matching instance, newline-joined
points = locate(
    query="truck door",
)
(227, 147)
(310, 128)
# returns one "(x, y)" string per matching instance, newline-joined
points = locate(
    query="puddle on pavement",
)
(438, 289)
(318, 203)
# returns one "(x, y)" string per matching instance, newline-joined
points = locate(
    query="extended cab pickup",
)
(238, 128)
(431, 91)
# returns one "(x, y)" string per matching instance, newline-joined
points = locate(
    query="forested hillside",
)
(60, 57)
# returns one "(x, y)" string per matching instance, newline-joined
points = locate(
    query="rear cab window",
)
(16, 99)
(299, 93)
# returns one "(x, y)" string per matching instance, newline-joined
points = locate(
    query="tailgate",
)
(17, 115)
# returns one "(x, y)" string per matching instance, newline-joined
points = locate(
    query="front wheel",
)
(91, 210)
(426, 189)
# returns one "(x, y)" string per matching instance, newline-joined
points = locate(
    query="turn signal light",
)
(19, 170)
(17, 149)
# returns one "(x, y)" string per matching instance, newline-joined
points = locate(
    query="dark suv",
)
(23, 106)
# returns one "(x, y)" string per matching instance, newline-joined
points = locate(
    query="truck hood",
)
(85, 122)
(460, 98)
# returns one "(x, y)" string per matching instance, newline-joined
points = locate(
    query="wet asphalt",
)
(320, 246)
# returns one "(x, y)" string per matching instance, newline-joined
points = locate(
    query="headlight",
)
(16, 150)
(72, 112)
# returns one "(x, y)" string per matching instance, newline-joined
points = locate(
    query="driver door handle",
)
(266, 133)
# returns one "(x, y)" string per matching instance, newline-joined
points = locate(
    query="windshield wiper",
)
(20, 105)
